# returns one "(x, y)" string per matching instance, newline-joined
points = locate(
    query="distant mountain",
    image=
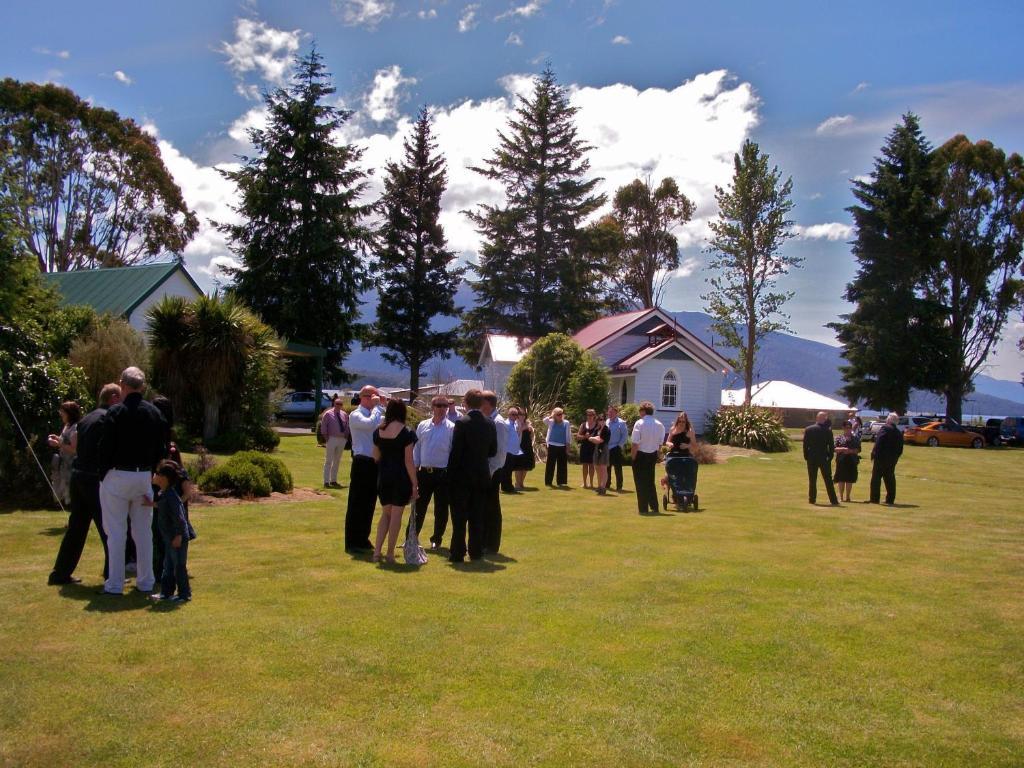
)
(809, 364)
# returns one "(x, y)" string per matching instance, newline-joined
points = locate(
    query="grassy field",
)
(760, 632)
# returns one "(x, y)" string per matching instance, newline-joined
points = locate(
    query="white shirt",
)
(514, 448)
(361, 423)
(434, 445)
(497, 461)
(648, 434)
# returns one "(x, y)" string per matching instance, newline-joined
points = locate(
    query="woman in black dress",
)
(396, 475)
(847, 459)
(525, 461)
(681, 436)
(586, 431)
(601, 455)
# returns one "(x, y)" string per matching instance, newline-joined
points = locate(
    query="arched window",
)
(668, 389)
(625, 393)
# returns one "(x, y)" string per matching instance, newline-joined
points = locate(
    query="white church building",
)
(649, 357)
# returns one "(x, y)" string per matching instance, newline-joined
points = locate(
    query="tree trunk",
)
(748, 366)
(211, 418)
(955, 403)
(414, 382)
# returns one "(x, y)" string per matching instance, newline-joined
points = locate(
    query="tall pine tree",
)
(302, 238)
(536, 272)
(416, 275)
(893, 340)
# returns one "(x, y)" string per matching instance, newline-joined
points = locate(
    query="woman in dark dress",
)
(396, 475)
(525, 461)
(681, 436)
(601, 455)
(847, 459)
(586, 431)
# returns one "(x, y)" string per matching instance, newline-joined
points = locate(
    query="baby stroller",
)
(682, 482)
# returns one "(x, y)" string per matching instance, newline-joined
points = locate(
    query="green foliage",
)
(750, 229)
(558, 371)
(629, 413)
(301, 239)
(92, 187)
(646, 217)
(535, 274)
(108, 347)
(751, 427)
(219, 365)
(416, 273)
(249, 473)
(893, 337)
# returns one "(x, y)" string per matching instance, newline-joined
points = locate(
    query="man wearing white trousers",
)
(334, 428)
(134, 440)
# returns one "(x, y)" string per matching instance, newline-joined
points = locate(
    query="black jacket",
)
(134, 436)
(474, 441)
(888, 445)
(170, 515)
(819, 445)
(90, 428)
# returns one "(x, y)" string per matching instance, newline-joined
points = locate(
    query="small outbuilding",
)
(797, 406)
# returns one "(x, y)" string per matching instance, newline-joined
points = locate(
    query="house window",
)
(623, 397)
(668, 390)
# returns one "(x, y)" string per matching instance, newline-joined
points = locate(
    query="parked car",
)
(302, 405)
(1012, 430)
(992, 431)
(905, 423)
(945, 433)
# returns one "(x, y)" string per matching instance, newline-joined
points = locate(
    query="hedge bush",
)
(279, 475)
(249, 473)
(758, 428)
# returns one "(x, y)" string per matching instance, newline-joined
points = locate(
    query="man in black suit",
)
(887, 451)
(819, 447)
(474, 441)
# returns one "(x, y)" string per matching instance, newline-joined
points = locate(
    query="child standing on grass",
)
(173, 526)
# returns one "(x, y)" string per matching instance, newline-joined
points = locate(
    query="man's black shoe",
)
(57, 581)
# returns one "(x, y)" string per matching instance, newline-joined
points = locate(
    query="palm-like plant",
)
(169, 325)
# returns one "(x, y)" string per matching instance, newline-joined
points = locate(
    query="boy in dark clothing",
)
(173, 526)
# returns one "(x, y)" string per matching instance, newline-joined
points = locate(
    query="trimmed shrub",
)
(757, 428)
(704, 453)
(277, 473)
(242, 478)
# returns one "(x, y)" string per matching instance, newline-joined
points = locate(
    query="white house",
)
(649, 357)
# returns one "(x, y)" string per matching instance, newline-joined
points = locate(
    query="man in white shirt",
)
(430, 455)
(362, 490)
(559, 432)
(616, 442)
(334, 428)
(513, 451)
(496, 464)
(648, 435)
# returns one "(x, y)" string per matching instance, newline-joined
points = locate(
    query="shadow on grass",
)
(56, 530)
(498, 557)
(477, 566)
(103, 603)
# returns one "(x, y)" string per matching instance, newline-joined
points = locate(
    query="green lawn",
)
(760, 632)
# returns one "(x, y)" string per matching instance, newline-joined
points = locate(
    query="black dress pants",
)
(506, 473)
(557, 457)
(883, 471)
(614, 461)
(492, 514)
(433, 484)
(825, 469)
(467, 514)
(85, 510)
(643, 478)
(362, 501)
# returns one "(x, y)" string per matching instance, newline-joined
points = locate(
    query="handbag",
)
(411, 550)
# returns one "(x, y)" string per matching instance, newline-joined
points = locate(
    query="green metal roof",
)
(117, 290)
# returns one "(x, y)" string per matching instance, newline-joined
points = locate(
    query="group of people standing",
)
(120, 470)
(820, 448)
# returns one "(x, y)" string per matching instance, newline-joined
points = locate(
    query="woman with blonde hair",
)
(681, 436)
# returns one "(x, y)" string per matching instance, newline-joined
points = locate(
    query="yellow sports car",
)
(943, 433)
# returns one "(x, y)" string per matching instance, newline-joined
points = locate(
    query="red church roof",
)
(599, 330)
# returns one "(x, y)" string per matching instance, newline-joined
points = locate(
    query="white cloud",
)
(513, 39)
(254, 118)
(524, 11)
(862, 86)
(835, 124)
(382, 100)
(621, 40)
(863, 178)
(122, 78)
(364, 13)
(430, 13)
(467, 20)
(832, 231)
(687, 267)
(261, 50)
(48, 52)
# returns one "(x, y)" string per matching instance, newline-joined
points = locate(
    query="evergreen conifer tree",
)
(302, 238)
(536, 272)
(416, 275)
(893, 340)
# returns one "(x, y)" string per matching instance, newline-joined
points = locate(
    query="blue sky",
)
(664, 88)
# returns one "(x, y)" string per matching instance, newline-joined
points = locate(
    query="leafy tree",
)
(893, 340)
(93, 189)
(416, 275)
(302, 240)
(34, 380)
(976, 275)
(218, 364)
(650, 251)
(106, 348)
(535, 272)
(558, 371)
(750, 229)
